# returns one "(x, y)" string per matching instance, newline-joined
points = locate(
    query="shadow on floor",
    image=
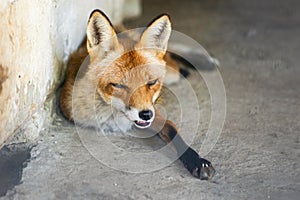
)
(13, 158)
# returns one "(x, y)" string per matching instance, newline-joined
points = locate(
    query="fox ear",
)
(101, 36)
(157, 34)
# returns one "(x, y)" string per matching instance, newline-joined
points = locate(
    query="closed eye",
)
(151, 83)
(120, 86)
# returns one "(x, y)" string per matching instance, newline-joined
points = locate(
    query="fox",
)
(121, 83)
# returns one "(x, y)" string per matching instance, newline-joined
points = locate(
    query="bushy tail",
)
(198, 59)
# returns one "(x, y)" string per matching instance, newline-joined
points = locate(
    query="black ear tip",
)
(95, 11)
(101, 13)
(167, 15)
(162, 15)
(159, 16)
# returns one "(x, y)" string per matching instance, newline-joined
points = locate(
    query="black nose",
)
(146, 114)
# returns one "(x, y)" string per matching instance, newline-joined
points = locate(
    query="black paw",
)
(196, 165)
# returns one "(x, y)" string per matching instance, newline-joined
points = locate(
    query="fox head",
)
(129, 77)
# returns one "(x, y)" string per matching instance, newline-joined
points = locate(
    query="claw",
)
(195, 172)
(206, 173)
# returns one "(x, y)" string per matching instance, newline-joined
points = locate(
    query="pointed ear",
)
(101, 36)
(156, 35)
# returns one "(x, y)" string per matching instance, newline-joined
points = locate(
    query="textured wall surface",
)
(36, 38)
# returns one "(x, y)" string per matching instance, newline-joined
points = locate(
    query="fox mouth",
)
(142, 124)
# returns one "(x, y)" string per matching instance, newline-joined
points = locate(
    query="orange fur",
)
(120, 81)
(118, 73)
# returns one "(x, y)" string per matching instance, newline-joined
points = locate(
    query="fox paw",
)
(197, 166)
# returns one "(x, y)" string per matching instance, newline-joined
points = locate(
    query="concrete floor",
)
(257, 155)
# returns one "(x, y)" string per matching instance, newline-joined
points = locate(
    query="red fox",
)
(126, 77)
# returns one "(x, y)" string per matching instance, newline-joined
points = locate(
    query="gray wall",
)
(36, 38)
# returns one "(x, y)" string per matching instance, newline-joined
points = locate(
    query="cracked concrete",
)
(257, 154)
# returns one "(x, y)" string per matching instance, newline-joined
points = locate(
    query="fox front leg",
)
(197, 166)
